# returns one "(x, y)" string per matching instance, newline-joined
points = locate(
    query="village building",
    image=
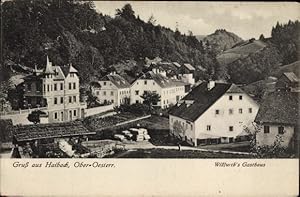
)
(278, 115)
(288, 81)
(112, 89)
(55, 90)
(169, 90)
(213, 112)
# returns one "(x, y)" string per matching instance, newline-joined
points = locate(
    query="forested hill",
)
(72, 31)
(222, 40)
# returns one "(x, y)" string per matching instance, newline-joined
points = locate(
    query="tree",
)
(35, 116)
(150, 99)
(126, 12)
(152, 20)
(262, 37)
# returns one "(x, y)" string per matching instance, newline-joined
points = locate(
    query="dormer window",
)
(230, 98)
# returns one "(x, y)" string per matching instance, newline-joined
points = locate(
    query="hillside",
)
(240, 50)
(200, 37)
(73, 32)
(222, 40)
(293, 67)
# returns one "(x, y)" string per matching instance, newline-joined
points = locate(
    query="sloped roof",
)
(177, 64)
(60, 75)
(291, 76)
(189, 66)
(48, 69)
(279, 107)
(202, 99)
(51, 130)
(117, 80)
(161, 80)
(68, 69)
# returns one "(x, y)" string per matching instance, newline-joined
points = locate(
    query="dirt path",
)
(148, 145)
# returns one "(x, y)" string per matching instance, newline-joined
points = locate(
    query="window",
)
(231, 128)
(136, 92)
(97, 92)
(241, 97)
(266, 129)
(153, 83)
(44, 88)
(74, 99)
(74, 112)
(250, 110)
(55, 87)
(70, 86)
(55, 101)
(136, 101)
(280, 130)
(104, 83)
(74, 86)
(48, 88)
(240, 111)
(208, 127)
(230, 98)
(61, 99)
(230, 111)
(145, 82)
(55, 115)
(112, 93)
(70, 99)
(217, 111)
(104, 93)
(112, 101)
(191, 127)
(61, 86)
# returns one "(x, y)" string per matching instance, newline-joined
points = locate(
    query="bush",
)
(137, 108)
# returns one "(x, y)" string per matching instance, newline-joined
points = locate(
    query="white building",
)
(112, 88)
(170, 90)
(55, 88)
(212, 113)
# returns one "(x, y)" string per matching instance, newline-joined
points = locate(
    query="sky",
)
(247, 20)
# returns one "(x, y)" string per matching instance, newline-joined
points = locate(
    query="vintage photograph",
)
(145, 79)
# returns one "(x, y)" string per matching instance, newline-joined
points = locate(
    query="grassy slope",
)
(240, 51)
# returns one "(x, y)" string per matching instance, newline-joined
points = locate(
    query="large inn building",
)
(213, 113)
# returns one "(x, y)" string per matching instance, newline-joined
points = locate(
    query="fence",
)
(23, 111)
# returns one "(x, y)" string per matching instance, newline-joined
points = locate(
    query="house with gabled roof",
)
(288, 81)
(212, 112)
(170, 90)
(56, 90)
(279, 117)
(112, 88)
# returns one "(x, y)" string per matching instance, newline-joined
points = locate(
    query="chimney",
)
(210, 85)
